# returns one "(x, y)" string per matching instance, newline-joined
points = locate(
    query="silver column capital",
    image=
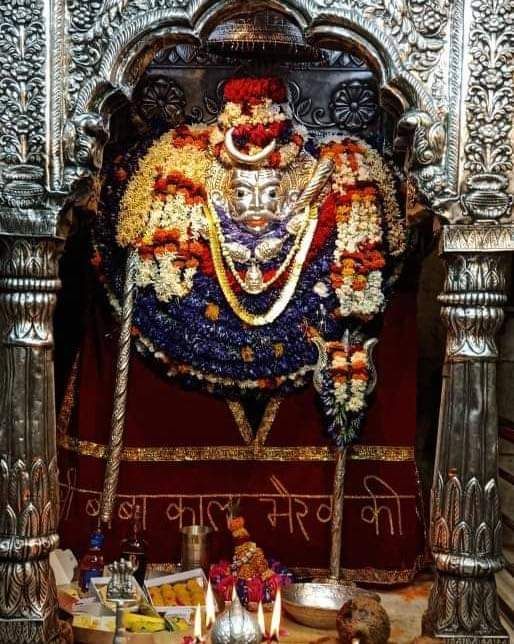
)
(29, 496)
(465, 523)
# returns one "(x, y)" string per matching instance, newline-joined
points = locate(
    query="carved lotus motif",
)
(163, 100)
(354, 105)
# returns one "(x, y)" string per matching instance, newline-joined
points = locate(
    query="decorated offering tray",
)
(93, 636)
(99, 629)
(177, 594)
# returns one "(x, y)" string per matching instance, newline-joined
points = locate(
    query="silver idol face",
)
(256, 199)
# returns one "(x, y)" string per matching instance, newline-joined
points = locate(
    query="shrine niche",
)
(242, 192)
(278, 333)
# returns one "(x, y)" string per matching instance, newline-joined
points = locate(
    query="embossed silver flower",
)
(162, 99)
(492, 78)
(22, 12)
(488, 133)
(494, 23)
(354, 105)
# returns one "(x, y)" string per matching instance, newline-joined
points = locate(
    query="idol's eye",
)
(273, 193)
(240, 193)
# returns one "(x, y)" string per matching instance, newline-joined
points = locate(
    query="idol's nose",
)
(256, 202)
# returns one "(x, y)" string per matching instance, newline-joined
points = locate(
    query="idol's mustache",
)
(258, 214)
(261, 213)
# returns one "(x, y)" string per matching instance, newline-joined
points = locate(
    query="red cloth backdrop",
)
(286, 504)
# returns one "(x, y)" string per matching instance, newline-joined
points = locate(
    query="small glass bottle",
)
(134, 547)
(92, 563)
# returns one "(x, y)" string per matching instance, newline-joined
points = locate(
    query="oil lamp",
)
(236, 626)
(210, 607)
(261, 622)
(273, 635)
(197, 630)
(274, 629)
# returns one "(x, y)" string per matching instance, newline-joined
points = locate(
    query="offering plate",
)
(95, 636)
(317, 603)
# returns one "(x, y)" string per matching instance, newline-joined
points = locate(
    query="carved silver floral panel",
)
(417, 49)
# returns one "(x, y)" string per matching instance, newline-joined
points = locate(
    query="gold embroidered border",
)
(359, 575)
(368, 575)
(384, 575)
(268, 418)
(381, 575)
(253, 452)
(68, 401)
(381, 453)
(241, 420)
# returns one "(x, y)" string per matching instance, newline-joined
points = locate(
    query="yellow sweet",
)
(143, 623)
(192, 585)
(178, 624)
(170, 599)
(94, 622)
(188, 593)
(168, 592)
(156, 596)
(82, 621)
(184, 599)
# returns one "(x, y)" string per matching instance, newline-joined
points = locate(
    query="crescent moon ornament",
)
(247, 159)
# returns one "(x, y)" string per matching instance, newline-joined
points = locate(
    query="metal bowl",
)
(316, 604)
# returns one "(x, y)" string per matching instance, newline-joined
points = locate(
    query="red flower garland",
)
(260, 134)
(254, 90)
(177, 183)
(184, 135)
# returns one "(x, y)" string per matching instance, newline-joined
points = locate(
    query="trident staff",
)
(112, 469)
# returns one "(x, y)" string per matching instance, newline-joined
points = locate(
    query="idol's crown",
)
(255, 124)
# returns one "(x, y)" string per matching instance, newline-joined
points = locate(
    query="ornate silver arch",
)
(120, 42)
(64, 64)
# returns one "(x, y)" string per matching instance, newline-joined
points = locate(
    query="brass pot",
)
(196, 547)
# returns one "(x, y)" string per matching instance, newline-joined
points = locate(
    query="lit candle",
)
(198, 625)
(274, 631)
(260, 621)
(210, 607)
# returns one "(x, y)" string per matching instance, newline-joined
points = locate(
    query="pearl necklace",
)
(250, 287)
(289, 288)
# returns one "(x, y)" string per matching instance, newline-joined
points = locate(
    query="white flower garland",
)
(163, 269)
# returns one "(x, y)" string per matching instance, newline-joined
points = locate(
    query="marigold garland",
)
(164, 157)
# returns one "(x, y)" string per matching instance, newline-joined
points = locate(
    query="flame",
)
(210, 606)
(274, 630)
(260, 620)
(198, 624)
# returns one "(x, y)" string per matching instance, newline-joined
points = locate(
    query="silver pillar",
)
(28, 467)
(465, 526)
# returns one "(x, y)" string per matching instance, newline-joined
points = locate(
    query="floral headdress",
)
(256, 111)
